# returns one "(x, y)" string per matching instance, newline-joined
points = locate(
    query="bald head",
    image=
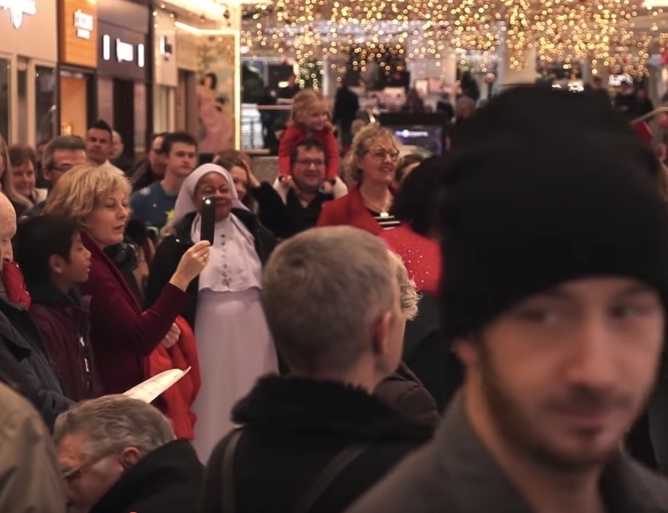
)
(7, 228)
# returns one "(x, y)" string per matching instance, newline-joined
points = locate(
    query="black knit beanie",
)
(537, 200)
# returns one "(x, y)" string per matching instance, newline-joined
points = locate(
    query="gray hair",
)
(114, 422)
(408, 294)
(63, 142)
(322, 292)
(465, 101)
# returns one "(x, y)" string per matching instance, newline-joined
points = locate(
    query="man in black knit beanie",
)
(554, 296)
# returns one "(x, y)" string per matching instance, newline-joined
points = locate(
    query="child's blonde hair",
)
(304, 102)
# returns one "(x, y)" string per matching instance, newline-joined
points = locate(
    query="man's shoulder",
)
(16, 410)
(648, 486)
(145, 193)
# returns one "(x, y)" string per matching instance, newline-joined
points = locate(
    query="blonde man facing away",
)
(29, 476)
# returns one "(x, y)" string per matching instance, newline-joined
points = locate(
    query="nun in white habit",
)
(233, 341)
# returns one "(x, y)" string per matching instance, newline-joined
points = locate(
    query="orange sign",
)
(78, 32)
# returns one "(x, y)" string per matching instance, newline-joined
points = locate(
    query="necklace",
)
(374, 206)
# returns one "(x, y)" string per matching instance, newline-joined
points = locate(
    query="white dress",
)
(234, 345)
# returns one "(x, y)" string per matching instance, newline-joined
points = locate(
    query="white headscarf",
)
(185, 204)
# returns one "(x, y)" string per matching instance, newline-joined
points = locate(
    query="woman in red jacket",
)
(122, 336)
(373, 161)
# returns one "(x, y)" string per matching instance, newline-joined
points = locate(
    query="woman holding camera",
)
(224, 308)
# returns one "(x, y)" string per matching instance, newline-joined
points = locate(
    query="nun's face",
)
(215, 185)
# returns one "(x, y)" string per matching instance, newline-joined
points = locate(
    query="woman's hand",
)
(172, 336)
(192, 263)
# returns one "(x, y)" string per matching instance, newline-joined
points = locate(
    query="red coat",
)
(63, 321)
(294, 135)
(421, 255)
(176, 401)
(349, 210)
(643, 132)
(122, 336)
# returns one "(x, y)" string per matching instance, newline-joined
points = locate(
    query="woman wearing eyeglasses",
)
(373, 160)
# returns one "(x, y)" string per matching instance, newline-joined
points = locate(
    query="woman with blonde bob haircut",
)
(122, 336)
(371, 165)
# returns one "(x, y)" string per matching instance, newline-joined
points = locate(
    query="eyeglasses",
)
(308, 162)
(72, 475)
(63, 168)
(383, 154)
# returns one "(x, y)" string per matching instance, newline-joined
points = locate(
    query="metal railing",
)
(251, 122)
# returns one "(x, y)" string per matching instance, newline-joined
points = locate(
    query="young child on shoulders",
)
(310, 120)
(53, 259)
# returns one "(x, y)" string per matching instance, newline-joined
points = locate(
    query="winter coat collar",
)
(303, 405)
(172, 464)
(48, 294)
(461, 455)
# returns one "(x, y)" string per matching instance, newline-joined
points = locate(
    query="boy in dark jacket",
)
(53, 260)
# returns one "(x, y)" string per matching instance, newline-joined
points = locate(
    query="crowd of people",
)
(388, 334)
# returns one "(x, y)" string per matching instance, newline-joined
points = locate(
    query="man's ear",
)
(467, 350)
(129, 457)
(381, 332)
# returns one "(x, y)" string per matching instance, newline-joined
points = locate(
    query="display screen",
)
(429, 137)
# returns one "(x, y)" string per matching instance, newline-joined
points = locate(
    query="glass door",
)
(5, 95)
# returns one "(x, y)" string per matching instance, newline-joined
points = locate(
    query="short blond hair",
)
(362, 143)
(408, 294)
(83, 189)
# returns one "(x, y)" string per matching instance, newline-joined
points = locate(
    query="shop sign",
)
(84, 23)
(122, 51)
(18, 9)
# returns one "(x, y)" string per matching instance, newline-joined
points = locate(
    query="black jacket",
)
(294, 427)
(289, 217)
(429, 356)
(167, 480)
(38, 380)
(170, 251)
(404, 392)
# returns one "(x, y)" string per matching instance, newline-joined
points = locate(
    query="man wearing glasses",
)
(293, 205)
(60, 155)
(120, 454)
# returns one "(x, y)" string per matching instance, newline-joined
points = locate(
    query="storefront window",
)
(46, 120)
(4, 97)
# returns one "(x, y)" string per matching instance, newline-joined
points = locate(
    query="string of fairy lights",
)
(560, 30)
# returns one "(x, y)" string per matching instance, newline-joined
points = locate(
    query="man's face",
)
(7, 230)
(63, 161)
(181, 159)
(156, 158)
(98, 145)
(86, 478)
(116, 146)
(308, 169)
(562, 376)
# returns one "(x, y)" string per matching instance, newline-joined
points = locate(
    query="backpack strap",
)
(228, 471)
(324, 480)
